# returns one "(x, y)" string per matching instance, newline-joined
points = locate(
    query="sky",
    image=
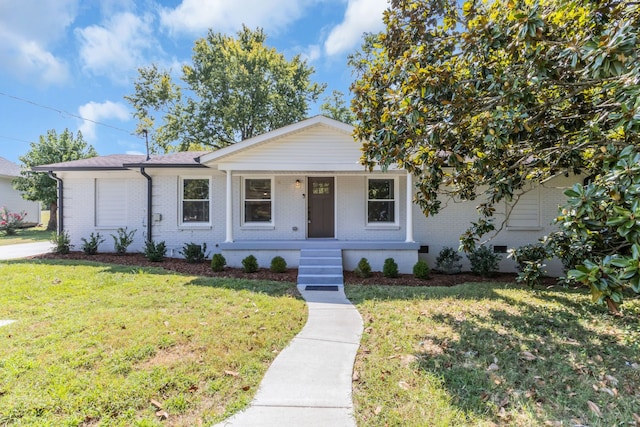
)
(67, 64)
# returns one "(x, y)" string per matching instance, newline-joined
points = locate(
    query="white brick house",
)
(12, 198)
(301, 186)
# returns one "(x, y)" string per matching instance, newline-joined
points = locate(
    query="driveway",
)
(24, 250)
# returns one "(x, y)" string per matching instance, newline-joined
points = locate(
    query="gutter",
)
(60, 201)
(149, 204)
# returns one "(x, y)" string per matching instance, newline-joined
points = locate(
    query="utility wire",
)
(62, 112)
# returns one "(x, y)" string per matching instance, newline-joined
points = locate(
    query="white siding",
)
(12, 200)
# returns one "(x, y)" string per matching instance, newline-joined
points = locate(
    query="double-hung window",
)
(195, 197)
(381, 201)
(257, 201)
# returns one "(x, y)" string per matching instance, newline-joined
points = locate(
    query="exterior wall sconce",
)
(297, 183)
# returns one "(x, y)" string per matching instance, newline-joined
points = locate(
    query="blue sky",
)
(64, 61)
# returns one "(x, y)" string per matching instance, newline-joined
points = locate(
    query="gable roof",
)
(276, 134)
(8, 168)
(126, 161)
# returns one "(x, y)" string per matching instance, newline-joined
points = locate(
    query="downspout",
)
(60, 201)
(149, 204)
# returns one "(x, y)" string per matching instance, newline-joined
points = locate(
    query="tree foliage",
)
(51, 148)
(479, 100)
(336, 107)
(235, 88)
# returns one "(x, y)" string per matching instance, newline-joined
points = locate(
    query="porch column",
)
(229, 219)
(409, 208)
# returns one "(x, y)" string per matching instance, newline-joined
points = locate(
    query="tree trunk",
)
(613, 307)
(53, 219)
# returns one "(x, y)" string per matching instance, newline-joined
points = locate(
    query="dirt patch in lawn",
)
(179, 265)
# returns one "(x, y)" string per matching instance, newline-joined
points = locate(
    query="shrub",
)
(484, 261)
(123, 240)
(250, 264)
(155, 252)
(390, 268)
(11, 221)
(90, 247)
(448, 261)
(218, 262)
(278, 264)
(421, 270)
(61, 242)
(194, 253)
(530, 262)
(363, 268)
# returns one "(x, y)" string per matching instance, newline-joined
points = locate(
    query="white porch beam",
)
(409, 213)
(229, 219)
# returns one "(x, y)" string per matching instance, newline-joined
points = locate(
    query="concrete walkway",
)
(309, 383)
(23, 250)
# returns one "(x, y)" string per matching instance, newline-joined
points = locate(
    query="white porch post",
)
(229, 218)
(409, 208)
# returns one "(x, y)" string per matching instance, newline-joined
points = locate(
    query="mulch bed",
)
(204, 269)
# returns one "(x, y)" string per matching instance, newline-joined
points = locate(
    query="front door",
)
(321, 205)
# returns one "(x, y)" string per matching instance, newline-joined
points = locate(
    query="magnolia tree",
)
(482, 99)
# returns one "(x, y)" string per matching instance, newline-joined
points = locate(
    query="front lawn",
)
(494, 354)
(29, 235)
(97, 344)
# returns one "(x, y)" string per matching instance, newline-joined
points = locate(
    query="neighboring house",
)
(11, 198)
(301, 186)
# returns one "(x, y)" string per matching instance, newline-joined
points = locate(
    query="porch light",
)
(297, 183)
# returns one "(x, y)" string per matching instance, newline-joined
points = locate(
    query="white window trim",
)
(248, 225)
(396, 205)
(201, 224)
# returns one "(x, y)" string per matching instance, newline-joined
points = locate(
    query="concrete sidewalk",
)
(309, 383)
(23, 250)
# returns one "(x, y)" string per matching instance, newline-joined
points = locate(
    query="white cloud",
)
(195, 17)
(311, 53)
(117, 48)
(99, 112)
(28, 30)
(361, 16)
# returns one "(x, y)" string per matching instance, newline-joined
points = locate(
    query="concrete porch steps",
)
(320, 267)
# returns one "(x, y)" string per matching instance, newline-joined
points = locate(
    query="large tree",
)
(337, 108)
(477, 100)
(51, 148)
(234, 89)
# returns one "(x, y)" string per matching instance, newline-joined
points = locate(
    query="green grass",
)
(490, 354)
(94, 344)
(29, 235)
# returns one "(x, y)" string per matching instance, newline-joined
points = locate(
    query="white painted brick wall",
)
(13, 201)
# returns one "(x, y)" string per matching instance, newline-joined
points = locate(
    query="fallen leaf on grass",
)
(594, 408)
(404, 385)
(232, 373)
(612, 380)
(493, 367)
(163, 415)
(636, 418)
(356, 376)
(407, 359)
(377, 410)
(166, 323)
(528, 356)
(610, 392)
(156, 403)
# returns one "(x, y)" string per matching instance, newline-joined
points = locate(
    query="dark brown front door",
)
(321, 203)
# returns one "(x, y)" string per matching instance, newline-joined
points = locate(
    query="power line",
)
(15, 139)
(63, 112)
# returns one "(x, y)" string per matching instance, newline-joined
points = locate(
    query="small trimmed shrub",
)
(218, 262)
(448, 261)
(363, 269)
(390, 268)
(278, 264)
(123, 240)
(421, 270)
(155, 252)
(90, 247)
(194, 253)
(61, 242)
(484, 261)
(250, 264)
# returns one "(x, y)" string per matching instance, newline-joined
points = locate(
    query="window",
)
(525, 214)
(111, 202)
(195, 201)
(257, 200)
(381, 201)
